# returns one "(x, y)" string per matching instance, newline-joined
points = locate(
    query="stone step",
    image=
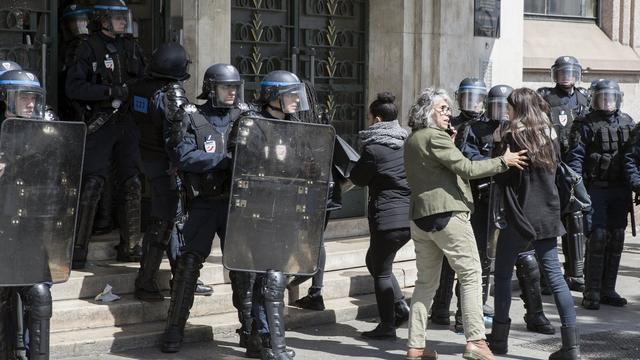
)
(88, 314)
(87, 283)
(103, 247)
(88, 342)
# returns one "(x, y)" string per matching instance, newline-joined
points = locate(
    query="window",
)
(570, 9)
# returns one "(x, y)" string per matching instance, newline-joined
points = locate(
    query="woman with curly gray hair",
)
(440, 205)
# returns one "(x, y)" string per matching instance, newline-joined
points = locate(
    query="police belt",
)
(207, 185)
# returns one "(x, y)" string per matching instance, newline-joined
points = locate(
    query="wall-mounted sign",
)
(486, 18)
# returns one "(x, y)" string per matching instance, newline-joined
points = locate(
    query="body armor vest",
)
(212, 140)
(604, 152)
(483, 132)
(562, 114)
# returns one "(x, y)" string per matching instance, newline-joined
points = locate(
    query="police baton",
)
(632, 213)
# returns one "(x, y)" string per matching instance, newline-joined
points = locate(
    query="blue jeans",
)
(509, 246)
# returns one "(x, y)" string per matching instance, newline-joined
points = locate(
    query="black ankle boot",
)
(402, 311)
(539, 323)
(311, 302)
(382, 331)
(499, 337)
(570, 345)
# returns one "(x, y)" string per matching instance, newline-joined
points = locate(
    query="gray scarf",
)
(387, 133)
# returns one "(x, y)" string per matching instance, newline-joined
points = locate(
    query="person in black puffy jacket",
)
(381, 168)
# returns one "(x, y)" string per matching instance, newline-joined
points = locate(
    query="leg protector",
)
(103, 222)
(613, 254)
(129, 221)
(5, 314)
(154, 246)
(594, 268)
(242, 287)
(274, 286)
(574, 251)
(528, 273)
(89, 197)
(184, 284)
(442, 299)
(38, 306)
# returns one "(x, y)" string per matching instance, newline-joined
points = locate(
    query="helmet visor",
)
(472, 100)
(24, 102)
(498, 109)
(293, 98)
(77, 23)
(606, 100)
(227, 95)
(566, 75)
(119, 21)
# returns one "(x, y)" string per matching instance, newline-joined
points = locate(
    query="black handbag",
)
(572, 191)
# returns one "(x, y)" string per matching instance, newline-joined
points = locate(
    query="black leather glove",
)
(120, 92)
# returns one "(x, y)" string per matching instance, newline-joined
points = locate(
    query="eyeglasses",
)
(443, 110)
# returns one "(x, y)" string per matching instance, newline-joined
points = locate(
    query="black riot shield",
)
(279, 194)
(41, 168)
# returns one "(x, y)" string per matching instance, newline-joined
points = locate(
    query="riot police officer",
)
(98, 78)
(168, 68)
(21, 96)
(596, 150)
(568, 101)
(196, 141)
(282, 97)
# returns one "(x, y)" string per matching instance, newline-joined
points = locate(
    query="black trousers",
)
(382, 251)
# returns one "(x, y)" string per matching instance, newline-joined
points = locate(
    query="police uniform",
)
(197, 146)
(596, 148)
(101, 70)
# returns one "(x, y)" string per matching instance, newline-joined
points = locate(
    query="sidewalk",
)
(610, 333)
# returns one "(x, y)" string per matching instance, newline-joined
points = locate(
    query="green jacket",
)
(438, 173)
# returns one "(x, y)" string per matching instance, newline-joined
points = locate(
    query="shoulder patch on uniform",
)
(140, 104)
(189, 108)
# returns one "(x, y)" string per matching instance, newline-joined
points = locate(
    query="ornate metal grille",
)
(24, 26)
(265, 34)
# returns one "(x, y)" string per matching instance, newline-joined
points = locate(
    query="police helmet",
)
(170, 61)
(471, 95)
(497, 102)
(222, 85)
(7, 65)
(113, 16)
(606, 96)
(75, 19)
(566, 71)
(287, 89)
(21, 94)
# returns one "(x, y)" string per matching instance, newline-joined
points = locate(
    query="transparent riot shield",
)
(41, 168)
(278, 197)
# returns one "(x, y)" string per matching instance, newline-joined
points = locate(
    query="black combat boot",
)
(402, 311)
(382, 331)
(528, 274)
(312, 301)
(442, 299)
(38, 305)
(89, 197)
(154, 246)
(129, 249)
(499, 337)
(593, 268)
(570, 345)
(184, 284)
(613, 254)
(274, 286)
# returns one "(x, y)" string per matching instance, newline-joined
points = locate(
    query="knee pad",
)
(92, 188)
(527, 266)
(38, 300)
(598, 241)
(274, 285)
(132, 187)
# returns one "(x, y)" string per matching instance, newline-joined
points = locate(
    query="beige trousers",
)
(457, 243)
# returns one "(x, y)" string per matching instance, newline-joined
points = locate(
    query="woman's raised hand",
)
(516, 159)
